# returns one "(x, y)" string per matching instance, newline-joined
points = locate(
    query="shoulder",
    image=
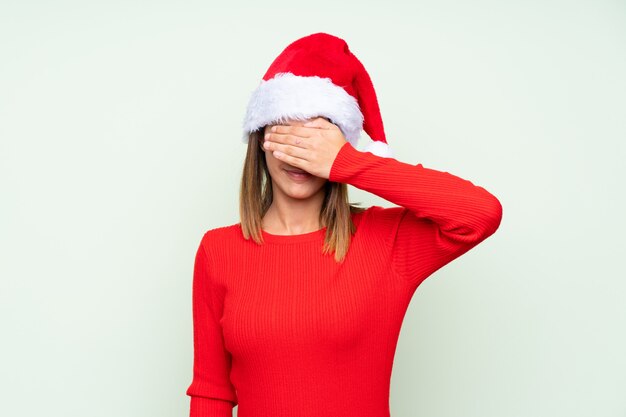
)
(222, 237)
(385, 216)
(383, 221)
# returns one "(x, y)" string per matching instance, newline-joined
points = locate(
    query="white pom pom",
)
(380, 149)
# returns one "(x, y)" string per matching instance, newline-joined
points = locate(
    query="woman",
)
(297, 200)
(297, 308)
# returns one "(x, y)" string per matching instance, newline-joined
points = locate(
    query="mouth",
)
(298, 174)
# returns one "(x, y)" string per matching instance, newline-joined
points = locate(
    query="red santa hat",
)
(314, 76)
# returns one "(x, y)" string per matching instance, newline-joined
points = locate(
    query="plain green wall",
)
(120, 127)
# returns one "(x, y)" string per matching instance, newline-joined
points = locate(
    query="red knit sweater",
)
(283, 331)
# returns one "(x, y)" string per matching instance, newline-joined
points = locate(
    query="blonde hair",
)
(256, 195)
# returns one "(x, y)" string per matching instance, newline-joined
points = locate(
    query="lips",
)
(298, 175)
(296, 171)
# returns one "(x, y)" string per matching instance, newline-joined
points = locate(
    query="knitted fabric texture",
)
(282, 330)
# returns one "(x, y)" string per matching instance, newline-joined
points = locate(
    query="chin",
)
(300, 194)
(302, 191)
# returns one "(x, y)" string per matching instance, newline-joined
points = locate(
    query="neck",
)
(289, 216)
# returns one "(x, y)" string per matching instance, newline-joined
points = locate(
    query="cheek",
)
(271, 161)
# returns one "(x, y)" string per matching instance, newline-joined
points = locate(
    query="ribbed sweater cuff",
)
(210, 407)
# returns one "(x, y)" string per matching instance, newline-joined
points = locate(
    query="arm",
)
(211, 392)
(441, 216)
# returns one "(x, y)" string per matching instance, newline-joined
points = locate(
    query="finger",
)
(291, 160)
(320, 123)
(287, 139)
(292, 130)
(289, 150)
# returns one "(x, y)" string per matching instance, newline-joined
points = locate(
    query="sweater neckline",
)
(302, 237)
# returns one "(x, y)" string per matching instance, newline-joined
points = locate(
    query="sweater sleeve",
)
(440, 216)
(211, 392)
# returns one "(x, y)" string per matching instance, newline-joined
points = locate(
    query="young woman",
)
(297, 308)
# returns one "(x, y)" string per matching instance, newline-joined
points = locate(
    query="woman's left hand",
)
(311, 147)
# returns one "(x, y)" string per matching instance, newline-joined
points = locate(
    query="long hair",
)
(256, 196)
